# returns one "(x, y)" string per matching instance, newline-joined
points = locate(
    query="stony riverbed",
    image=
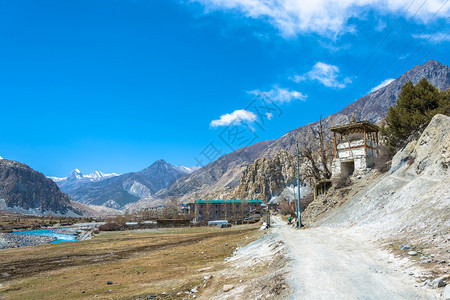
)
(8, 240)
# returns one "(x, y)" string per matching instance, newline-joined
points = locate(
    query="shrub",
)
(286, 208)
(384, 159)
(341, 181)
(110, 227)
(305, 201)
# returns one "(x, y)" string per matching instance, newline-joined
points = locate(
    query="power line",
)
(407, 46)
(398, 34)
(379, 45)
(421, 46)
(443, 39)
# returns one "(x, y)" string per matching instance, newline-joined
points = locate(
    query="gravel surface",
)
(8, 240)
(332, 265)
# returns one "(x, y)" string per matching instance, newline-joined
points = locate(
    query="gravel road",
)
(331, 265)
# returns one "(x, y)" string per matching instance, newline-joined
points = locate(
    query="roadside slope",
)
(413, 198)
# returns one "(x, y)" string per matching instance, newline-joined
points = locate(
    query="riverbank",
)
(45, 236)
(9, 240)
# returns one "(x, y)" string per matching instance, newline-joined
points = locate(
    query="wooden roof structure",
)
(354, 127)
(368, 130)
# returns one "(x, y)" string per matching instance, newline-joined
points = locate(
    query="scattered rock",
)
(437, 283)
(83, 292)
(109, 282)
(405, 247)
(228, 287)
(195, 290)
(412, 253)
(446, 294)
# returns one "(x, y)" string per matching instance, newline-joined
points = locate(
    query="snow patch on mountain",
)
(136, 188)
(77, 179)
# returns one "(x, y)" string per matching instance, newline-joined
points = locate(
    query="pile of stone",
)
(8, 240)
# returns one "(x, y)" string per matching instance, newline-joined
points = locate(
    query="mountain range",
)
(119, 190)
(77, 179)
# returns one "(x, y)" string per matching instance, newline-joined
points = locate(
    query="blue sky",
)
(114, 85)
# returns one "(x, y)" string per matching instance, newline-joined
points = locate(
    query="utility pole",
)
(298, 192)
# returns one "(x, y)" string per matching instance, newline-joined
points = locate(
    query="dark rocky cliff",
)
(23, 187)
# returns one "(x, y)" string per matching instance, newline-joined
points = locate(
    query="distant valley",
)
(116, 191)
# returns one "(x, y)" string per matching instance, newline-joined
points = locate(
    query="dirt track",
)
(330, 265)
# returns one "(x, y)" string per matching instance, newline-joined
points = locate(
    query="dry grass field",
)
(161, 263)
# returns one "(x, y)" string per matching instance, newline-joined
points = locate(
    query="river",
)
(60, 237)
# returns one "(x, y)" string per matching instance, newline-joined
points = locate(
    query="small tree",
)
(285, 207)
(415, 107)
(315, 155)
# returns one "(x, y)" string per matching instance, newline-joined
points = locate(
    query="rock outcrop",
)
(266, 178)
(23, 189)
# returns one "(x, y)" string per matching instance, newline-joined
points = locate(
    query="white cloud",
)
(324, 17)
(269, 116)
(237, 117)
(326, 74)
(382, 84)
(280, 95)
(436, 38)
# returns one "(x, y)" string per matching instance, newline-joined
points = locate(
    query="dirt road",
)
(331, 265)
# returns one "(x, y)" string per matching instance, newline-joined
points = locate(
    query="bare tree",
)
(314, 153)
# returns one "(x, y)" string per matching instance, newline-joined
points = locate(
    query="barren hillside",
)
(411, 203)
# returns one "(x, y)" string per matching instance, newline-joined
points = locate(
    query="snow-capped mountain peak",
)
(94, 175)
(75, 175)
(184, 169)
(76, 178)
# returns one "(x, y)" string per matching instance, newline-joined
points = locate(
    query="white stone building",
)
(355, 148)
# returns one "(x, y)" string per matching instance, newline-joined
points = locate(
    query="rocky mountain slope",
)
(115, 192)
(219, 176)
(410, 204)
(76, 179)
(266, 178)
(25, 190)
(413, 196)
